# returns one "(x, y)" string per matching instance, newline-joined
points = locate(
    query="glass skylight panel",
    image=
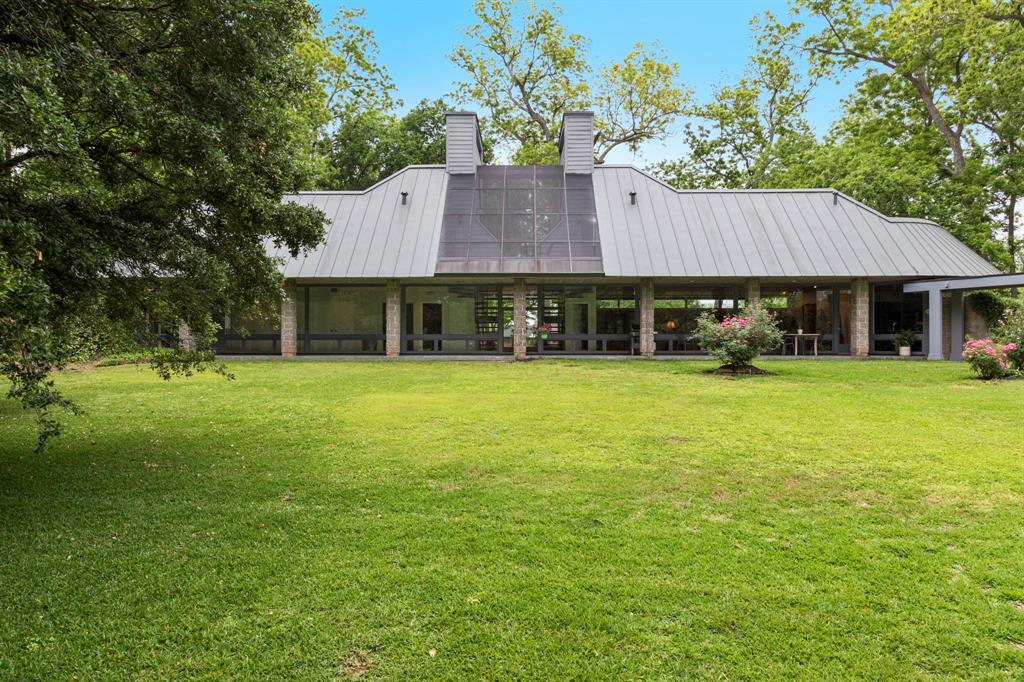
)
(532, 215)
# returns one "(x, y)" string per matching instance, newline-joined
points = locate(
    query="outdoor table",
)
(797, 338)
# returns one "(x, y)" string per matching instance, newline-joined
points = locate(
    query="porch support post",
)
(860, 318)
(647, 318)
(935, 324)
(956, 325)
(519, 319)
(393, 320)
(753, 292)
(289, 328)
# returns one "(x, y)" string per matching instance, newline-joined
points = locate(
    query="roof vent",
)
(463, 148)
(405, 195)
(576, 142)
(632, 198)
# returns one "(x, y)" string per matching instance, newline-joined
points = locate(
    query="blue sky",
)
(710, 41)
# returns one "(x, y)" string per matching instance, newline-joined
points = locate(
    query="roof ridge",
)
(770, 190)
(371, 187)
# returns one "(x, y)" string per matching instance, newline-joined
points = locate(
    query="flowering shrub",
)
(1011, 333)
(737, 340)
(988, 358)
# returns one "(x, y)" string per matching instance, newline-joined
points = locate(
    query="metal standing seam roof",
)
(666, 233)
(371, 234)
(763, 233)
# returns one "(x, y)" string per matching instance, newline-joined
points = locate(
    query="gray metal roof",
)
(666, 233)
(763, 233)
(371, 233)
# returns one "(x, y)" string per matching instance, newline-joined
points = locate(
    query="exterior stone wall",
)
(647, 318)
(289, 323)
(519, 319)
(975, 324)
(393, 320)
(860, 319)
(753, 292)
(185, 339)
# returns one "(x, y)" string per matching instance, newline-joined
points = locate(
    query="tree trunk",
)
(920, 83)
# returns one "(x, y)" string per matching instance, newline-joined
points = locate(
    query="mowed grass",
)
(547, 520)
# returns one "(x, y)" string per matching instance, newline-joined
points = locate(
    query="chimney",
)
(576, 142)
(464, 148)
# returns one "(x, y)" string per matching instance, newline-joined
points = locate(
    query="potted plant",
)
(543, 331)
(905, 339)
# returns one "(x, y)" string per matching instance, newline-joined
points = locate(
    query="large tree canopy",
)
(367, 146)
(526, 70)
(933, 130)
(145, 148)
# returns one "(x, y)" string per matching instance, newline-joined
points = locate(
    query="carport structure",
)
(956, 287)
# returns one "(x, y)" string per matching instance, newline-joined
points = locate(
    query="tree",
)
(352, 86)
(960, 63)
(369, 145)
(526, 70)
(146, 147)
(752, 133)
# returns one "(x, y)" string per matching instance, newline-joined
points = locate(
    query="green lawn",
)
(547, 520)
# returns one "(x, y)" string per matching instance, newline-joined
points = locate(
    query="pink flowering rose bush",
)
(737, 340)
(989, 359)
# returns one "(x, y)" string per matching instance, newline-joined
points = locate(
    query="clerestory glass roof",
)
(519, 219)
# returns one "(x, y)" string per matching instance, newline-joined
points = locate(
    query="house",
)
(466, 258)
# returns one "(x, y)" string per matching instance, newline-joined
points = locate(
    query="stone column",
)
(860, 318)
(519, 319)
(956, 325)
(289, 322)
(934, 324)
(185, 339)
(393, 320)
(647, 318)
(753, 292)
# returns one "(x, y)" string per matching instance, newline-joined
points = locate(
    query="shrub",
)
(1010, 332)
(988, 358)
(737, 340)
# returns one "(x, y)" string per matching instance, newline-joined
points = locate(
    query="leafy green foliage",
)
(369, 145)
(932, 131)
(146, 147)
(737, 339)
(526, 70)
(1010, 331)
(751, 134)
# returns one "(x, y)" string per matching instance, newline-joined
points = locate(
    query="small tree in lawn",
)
(737, 340)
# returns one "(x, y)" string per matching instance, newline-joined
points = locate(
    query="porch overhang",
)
(1014, 279)
(956, 286)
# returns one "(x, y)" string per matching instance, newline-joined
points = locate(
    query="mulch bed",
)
(740, 370)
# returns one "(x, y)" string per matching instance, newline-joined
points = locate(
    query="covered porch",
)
(956, 287)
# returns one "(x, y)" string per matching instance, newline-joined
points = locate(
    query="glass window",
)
(894, 311)
(257, 335)
(455, 319)
(676, 310)
(521, 207)
(809, 308)
(340, 319)
(581, 319)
